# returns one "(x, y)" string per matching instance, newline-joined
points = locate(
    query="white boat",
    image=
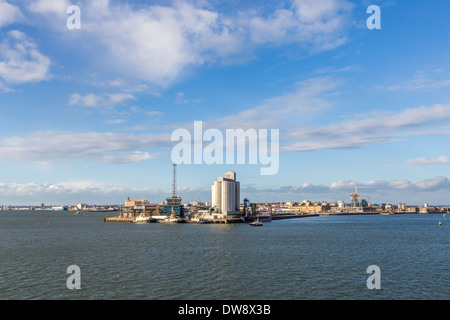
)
(142, 219)
(256, 223)
(197, 220)
(61, 208)
(159, 218)
(172, 219)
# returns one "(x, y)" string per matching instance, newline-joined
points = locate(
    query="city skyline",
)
(87, 114)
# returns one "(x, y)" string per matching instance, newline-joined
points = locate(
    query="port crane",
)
(248, 206)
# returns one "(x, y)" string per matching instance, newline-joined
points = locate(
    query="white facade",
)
(225, 194)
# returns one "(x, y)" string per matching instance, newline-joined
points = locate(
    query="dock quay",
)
(118, 219)
(225, 221)
(348, 213)
(293, 216)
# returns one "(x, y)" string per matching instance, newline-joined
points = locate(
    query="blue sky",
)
(86, 114)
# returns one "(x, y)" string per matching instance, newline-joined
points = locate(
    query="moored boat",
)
(198, 221)
(60, 208)
(142, 219)
(261, 217)
(172, 219)
(256, 223)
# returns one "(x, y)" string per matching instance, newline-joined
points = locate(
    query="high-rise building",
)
(225, 194)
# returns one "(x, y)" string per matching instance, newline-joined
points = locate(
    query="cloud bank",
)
(379, 191)
(157, 44)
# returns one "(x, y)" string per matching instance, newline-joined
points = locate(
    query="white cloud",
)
(420, 82)
(52, 7)
(70, 187)
(114, 121)
(399, 184)
(432, 184)
(342, 189)
(127, 157)
(9, 13)
(425, 161)
(85, 191)
(154, 113)
(90, 100)
(4, 88)
(371, 129)
(317, 23)
(89, 191)
(284, 111)
(157, 44)
(21, 61)
(106, 100)
(180, 98)
(343, 184)
(292, 112)
(92, 146)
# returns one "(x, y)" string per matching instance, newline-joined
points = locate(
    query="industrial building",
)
(225, 195)
(135, 208)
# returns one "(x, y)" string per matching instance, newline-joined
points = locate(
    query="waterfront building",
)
(173, 206)
(412, 209)
(309, 207)
(225, 195)
(134, 208)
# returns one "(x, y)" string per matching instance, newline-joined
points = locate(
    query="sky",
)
(87, 114)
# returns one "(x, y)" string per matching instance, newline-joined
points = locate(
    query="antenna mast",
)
(174, 183)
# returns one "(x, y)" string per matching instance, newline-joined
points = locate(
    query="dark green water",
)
(309, 258)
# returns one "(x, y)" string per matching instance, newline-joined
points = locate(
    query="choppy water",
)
(309, 258)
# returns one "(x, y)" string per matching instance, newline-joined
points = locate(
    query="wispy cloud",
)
(154, 113)
(348, 186)
(156, 44)
(182, 99)
(50, 7)
(21, 61)
(9, 13)
(104, 101)
(87, 190)
(114, 121)
(425, 161)
(378, 191)
(283, 111)
(108, 148)
(420, 82)
(310, 98)
(304, 21)
(372, 129)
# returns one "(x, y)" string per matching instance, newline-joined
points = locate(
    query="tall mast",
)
(174, 183)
